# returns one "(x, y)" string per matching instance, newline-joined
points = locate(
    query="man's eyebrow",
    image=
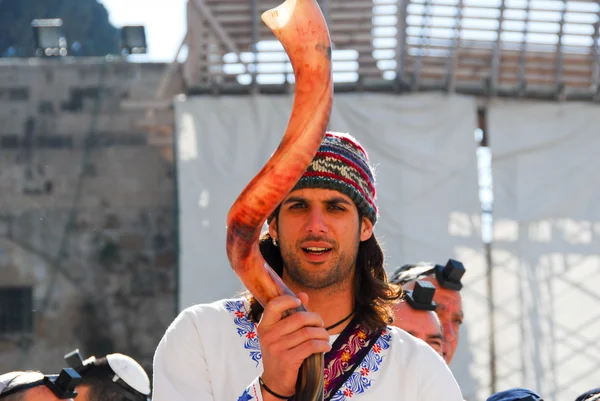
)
(338, 199)
(331, 201)
(294, 199)
(436, 337)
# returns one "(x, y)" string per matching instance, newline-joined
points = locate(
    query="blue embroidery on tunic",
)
(245, 329)
(246, 396)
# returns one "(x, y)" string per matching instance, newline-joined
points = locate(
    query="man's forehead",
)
(429, 326)
(41, 393)
(406, 312)
(448, 297)
(450, 305)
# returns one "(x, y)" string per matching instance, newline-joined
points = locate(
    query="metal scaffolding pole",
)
(422, 39)
(453, 56)
(255, 36)
(559, 65)
(401, 14)
(596, 59)
(523, 53)
(495, 67)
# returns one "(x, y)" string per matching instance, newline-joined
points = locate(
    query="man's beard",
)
(331, 274)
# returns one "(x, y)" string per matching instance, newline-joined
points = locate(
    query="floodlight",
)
(133, 39)
(50, 40)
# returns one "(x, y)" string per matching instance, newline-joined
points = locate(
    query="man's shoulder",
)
(222, 307)
(400, 336)
(410, 345)
(213, 313)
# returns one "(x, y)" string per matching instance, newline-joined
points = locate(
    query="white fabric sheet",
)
(547, 245)
(423, 149)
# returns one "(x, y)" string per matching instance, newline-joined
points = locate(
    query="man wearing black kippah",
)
(415, 314)
(35, 386)
(447, 282)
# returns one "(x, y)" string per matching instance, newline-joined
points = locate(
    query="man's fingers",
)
(304, 298)
(296, 321)
(276, 307)
(308, 348)
(298, 337)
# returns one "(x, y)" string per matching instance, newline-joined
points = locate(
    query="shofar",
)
(301, 28)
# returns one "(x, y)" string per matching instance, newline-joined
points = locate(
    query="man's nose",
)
(316, 221)
(449, 333)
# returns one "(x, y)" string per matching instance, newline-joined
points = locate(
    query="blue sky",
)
(165, 22)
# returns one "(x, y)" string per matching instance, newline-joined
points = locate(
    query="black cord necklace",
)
(340, 322)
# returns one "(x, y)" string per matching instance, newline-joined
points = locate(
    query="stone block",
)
(112, 222)
(165, 259)
(132, 242)
(4, 227)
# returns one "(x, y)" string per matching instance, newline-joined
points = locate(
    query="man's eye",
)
(336, 207)
(297, 206)
(436, 345)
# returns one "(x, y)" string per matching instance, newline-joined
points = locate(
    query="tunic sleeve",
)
(252, 392)
(180, 369)
(184, 362)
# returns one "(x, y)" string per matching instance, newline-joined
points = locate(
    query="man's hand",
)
(286, 342)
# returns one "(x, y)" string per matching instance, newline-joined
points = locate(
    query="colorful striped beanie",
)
(342, 164)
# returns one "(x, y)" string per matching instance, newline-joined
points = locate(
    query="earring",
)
(275, 243)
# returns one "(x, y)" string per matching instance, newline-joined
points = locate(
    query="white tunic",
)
(211, 353)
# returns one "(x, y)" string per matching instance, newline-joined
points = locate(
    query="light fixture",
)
(133, 39)
(50, 40)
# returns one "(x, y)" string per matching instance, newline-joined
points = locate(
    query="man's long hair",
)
(373, 294)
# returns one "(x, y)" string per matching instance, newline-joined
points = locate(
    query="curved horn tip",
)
(278, 17)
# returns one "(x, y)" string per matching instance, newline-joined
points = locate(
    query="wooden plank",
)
(235, 29)
(223, 8)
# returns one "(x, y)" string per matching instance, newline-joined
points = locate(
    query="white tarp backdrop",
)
(547, 246)
(423, 150)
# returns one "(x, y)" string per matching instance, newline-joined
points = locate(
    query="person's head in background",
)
(35, 386)
(446, 280)
(592, 395)
(516, 394)
(115, 377)
(415, 314)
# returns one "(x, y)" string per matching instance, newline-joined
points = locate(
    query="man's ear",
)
(273, 228)
(366, 229)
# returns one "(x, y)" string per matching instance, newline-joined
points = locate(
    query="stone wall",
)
(87, 212)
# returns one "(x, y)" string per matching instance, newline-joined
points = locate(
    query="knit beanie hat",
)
(342, 164)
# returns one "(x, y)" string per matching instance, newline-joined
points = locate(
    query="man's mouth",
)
(316, 251)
